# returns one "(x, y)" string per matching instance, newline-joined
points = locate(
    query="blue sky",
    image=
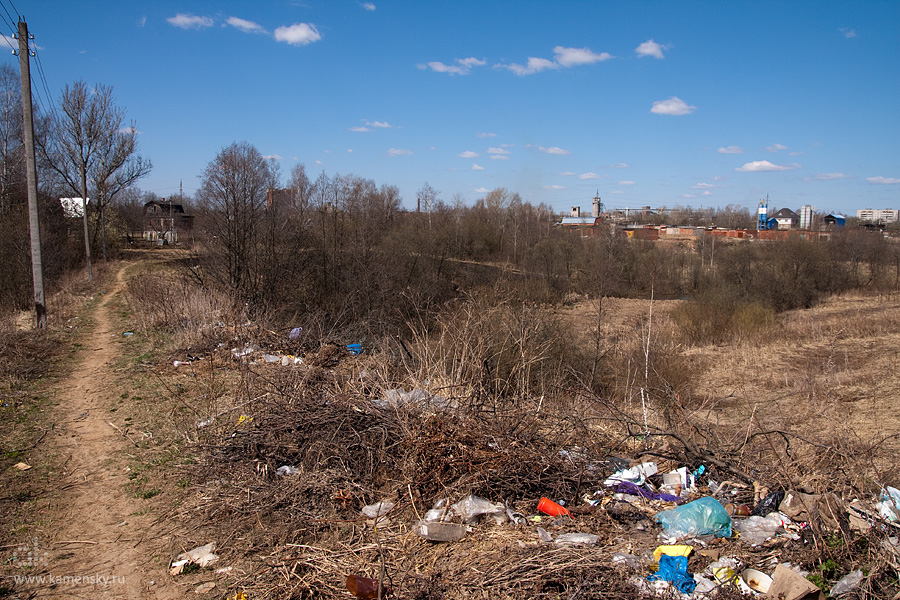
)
(649, 103)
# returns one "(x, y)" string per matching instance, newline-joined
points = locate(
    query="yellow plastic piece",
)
(679, 550)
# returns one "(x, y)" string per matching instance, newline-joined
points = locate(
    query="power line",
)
(40, 69)
(11, 22)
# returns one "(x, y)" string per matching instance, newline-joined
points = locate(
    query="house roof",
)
(785, 213)
(168, 206)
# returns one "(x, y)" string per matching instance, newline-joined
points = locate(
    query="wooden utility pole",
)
(37, 267)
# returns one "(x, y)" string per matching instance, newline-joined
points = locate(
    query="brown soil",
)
(93, 539)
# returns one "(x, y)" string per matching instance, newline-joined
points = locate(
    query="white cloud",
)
(702, 186)
(563, 57)
(481, 190)
(572, 57)
(831, 176)
(848, 33)
(368, 6)
(245, 26)
(497, 151)
(650, 48)
(625, 183)
(462, 66)
(617, 192)
(398, 152)
(379, 124)
(731, 150)
(554, 150)
(672, 106)
(318, 162)
(128, 130)
(566, 173)
(350, 150)
(273, 157)
(554, 187)
(616, 166)
(882, 180)
(142, 21)
(187, 21)
(477, 167)
(776, 147)
(764, 165)
(499, 157)
(359, 129)
(689, 195)
(298, 34)
(534, 65)
(467, 154)
(486, 135)
(585, 176)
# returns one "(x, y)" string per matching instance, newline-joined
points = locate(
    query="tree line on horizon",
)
(342, 248)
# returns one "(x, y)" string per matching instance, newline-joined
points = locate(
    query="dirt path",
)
(96, 543)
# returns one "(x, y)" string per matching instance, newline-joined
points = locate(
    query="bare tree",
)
(12, 155)
(91, 151)
(233, 196)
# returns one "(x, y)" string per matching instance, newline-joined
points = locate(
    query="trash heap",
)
(317, 486)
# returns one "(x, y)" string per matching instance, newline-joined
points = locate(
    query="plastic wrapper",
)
(576, 539)
(847, 584)
(705, 516)
(379, 509)
(888, 503)
(472, 507)
(756, 530)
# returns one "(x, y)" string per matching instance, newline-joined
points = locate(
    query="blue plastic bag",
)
(705, 516)
(674, 570)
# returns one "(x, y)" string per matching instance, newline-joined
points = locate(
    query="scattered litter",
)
(576, 539)
(756, 580)
(846, 584)
(679, 550)
(637, 474)
(128, 333)
(204, 588)
(200, 556)
(888, 503)
(244, 420)
(355, 349)
(436, 531)
(241, 352)
(626, 487)
(400, 397)
(271, 358)
(366, 588)
(22, 466)
(634, 562)
(705, 516)
(549, 507)
(756, 530)
(286, 470)
(472, 507)
(379, 509)
(674, 570)
(295, 333)
(769, 504)
(791, 585)
(544, 535)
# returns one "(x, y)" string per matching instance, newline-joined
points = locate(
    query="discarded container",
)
(440, 532)
(355, 349)
(287, 470)
(737, 510)
(756, 530)
(756, 580)
(637, 474)
(366, 588)
(549, 507)
(700, 517)
(679, 550)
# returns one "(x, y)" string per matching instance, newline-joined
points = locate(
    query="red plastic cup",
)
(549, 507)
